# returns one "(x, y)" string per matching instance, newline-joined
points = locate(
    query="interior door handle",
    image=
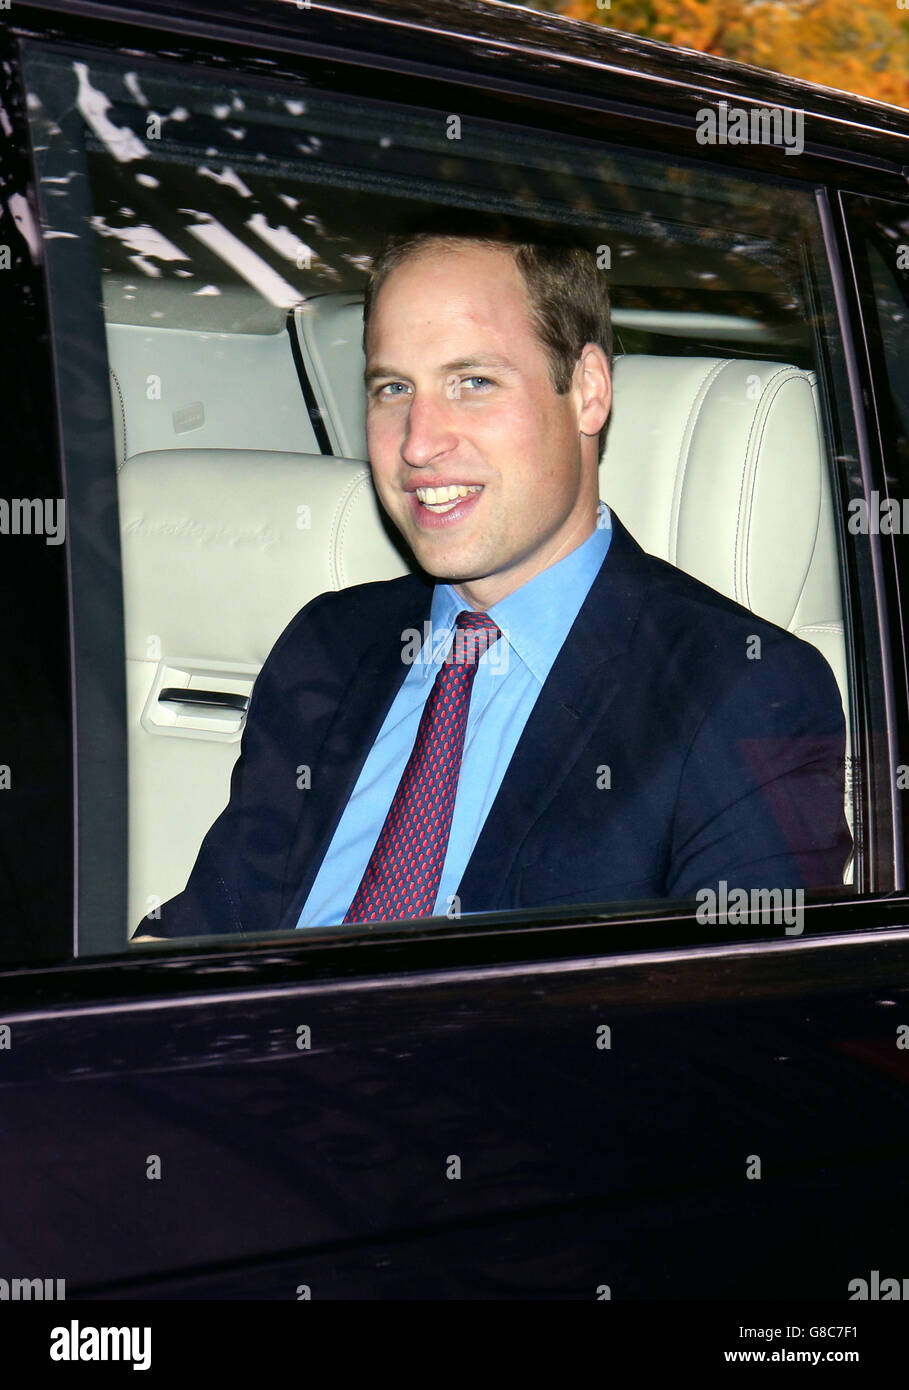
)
(208, 699)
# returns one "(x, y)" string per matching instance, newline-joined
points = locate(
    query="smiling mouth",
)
(442, 499)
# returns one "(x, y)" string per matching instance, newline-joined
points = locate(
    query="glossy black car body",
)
(328, 1166)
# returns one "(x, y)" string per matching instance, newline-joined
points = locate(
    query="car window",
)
(880, 236)
(208, 246)
(879, 242)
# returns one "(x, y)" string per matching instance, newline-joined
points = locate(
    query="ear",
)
(593, 382)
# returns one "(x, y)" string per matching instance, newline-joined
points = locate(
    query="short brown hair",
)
(568, 295)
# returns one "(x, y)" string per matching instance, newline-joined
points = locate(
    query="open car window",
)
(208, 247)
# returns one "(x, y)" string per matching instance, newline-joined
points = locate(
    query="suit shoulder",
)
(363, 612)
(348, 620)
(381, 596)
(704, 637)
(678, 598)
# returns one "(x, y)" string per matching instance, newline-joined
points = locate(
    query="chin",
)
(449, 568)
(444, 573)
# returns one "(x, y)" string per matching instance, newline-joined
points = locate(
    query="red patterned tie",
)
(403, 873)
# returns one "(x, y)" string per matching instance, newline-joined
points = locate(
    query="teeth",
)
(444, 498)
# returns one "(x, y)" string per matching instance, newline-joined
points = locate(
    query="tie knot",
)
(475, 634)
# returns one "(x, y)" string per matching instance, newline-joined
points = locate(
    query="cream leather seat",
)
(220, 549)
(718, 465)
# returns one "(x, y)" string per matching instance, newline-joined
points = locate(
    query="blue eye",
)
(388, 391)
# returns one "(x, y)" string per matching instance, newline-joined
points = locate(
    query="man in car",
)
(547, 715)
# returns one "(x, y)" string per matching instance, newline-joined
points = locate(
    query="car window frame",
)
(637, 915)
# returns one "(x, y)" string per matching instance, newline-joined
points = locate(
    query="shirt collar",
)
(536, 618)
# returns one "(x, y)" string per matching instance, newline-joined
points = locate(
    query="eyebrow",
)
(460, 364)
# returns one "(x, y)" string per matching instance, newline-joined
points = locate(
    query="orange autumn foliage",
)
(860, 46)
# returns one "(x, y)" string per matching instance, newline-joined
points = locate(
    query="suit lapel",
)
(586, 677)
(353, 730)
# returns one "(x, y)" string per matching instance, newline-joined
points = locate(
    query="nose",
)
(428, 432)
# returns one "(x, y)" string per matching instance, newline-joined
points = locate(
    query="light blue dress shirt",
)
(534, 621)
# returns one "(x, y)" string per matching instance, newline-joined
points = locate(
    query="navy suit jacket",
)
(667, 751)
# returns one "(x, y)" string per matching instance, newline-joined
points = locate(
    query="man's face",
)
(460, 396)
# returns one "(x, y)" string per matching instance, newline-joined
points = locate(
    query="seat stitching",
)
(341, 520)
(116, 382)
(812, 383)
(817, 520)
(682, 462)
(783, 371)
